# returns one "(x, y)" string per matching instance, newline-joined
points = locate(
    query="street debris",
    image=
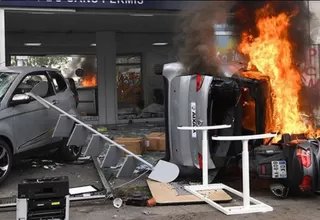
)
(151, 202)
(102, 129)
(45, 164)
(117, 203)
(146, 212)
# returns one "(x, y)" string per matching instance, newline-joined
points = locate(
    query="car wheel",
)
(69, 153)
(5, 160)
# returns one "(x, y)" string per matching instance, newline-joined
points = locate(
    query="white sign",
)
(193, 108)
(279, 169)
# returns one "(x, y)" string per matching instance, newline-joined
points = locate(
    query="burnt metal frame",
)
(258, 90)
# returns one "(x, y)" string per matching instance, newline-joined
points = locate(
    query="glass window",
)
(6, 79)
(129, 86)
(58, 82)
(31, 80)
(129, 59)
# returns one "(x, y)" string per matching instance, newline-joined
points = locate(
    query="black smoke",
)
(244, 20)
(195, 40)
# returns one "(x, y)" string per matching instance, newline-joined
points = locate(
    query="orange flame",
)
(89, 79)
(271, 54)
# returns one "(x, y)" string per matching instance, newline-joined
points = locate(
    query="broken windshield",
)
(6, 79)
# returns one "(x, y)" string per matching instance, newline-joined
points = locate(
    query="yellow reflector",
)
(55, 203)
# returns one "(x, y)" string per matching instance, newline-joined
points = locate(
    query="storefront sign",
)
(102, 4)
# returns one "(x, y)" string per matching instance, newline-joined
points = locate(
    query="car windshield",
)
(6, 80)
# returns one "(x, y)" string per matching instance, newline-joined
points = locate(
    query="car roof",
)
(25, 69)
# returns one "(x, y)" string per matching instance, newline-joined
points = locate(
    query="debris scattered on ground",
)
(137, 198)
(84, 158)
(134, 130)
(141, 168)
(102, 129)
(153, 109)
(146, 212)
(151, 202)
(117, 203)
(45, 164)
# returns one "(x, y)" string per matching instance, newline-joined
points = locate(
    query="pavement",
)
(289, 209)
(306, 208)
(80, 174)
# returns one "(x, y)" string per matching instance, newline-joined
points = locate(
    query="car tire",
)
(69, 153)
(6, 159)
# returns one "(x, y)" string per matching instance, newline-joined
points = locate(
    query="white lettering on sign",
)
(193, 110)
(129, 2)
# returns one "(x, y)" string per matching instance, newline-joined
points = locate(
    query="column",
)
(107, 77)
(8, 59)
(145, 79)
(2, 38)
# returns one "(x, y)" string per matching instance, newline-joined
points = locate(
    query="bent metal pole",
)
(47, 104)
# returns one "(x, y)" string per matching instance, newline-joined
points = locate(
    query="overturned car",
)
(292, 163)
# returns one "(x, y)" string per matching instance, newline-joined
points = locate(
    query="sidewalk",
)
(289, 209)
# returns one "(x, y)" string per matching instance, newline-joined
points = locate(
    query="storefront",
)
(116, 43)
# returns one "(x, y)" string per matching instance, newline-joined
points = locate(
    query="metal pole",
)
(205, 157)
(204, 130)
(45, 102)
(2, 38)
(245, 174)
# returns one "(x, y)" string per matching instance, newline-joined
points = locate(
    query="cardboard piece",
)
(165, 193)
(152, 141)
(156, 141)
(162, 142)
(135, 145)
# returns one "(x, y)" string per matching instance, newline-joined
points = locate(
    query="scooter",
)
(292, 164)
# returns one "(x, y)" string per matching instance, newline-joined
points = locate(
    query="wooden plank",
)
(164, 193)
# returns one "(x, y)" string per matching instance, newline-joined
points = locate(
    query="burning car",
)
(259, 96)
(292, 162)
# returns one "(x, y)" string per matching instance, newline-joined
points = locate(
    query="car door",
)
(64, 98)
(31, 124)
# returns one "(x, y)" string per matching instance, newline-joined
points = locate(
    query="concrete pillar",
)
(145, 79)
(8, 59)
(2, 38)
(107, 77)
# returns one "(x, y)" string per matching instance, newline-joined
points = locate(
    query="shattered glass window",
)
(6, 79)
(130, 59)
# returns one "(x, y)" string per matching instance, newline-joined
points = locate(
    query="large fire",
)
(271, 54)
(89, 79)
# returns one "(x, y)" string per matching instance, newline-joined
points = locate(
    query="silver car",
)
(193, 100)
(27, 125)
